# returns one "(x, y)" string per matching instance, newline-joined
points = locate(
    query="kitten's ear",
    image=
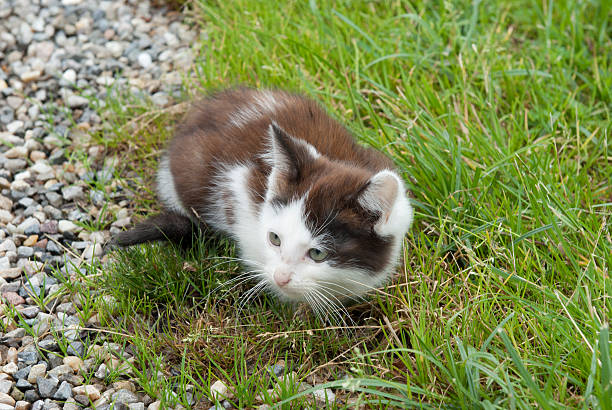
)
(289, 156)
(381, 194)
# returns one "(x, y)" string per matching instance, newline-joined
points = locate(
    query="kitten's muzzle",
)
(282, 277)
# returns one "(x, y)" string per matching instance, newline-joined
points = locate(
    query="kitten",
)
(318, 217)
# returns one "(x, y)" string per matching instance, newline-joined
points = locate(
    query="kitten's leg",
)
(167, 226)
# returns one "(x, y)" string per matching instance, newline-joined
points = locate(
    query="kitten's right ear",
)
(384, 194)
(289, 155)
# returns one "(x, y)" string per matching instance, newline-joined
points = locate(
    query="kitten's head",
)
(329, 230)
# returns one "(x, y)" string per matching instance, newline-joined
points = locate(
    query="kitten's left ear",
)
(289, 155)
(385, 195)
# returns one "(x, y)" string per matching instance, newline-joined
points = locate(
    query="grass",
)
(498, 116)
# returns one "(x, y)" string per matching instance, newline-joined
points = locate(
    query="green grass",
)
(498, 116)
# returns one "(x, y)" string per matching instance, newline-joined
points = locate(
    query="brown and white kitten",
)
(317, 217)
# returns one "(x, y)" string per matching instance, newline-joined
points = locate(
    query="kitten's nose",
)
(282, 277)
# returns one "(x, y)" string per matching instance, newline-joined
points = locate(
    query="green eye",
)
(274, 239)
(317, 255)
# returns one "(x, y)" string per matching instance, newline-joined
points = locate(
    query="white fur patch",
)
(397, 211)
(400, 218)
(395, 224)
(263, 103)
(232, 185)
(166, 189)
(319, 284)
(310, 281)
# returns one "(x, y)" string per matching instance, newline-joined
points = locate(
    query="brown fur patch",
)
(209, 137)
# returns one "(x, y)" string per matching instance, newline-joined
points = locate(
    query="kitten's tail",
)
(166, 226)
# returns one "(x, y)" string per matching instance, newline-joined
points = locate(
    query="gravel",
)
(61, 59)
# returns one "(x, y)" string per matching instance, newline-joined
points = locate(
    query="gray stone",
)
(30, 311)
(22, 373)
(53, 247)
(124, 396)
(49, 345)
(46, 386)
(277, 370)
(82, 399)
(6, 386)
(6, 115)
(59, 371)
(41, 167)
(25, 202)
(63, 392)
(72, 192)
(23, 385)
(33, 229)
(76, 348)
(16, 164)
(54, 199)
(49, 226)
(8, 245)
(28, 356)
(5, 263)
(76, 101)
(57, 157)
(32, 396)
(25, 252)
(101, 372)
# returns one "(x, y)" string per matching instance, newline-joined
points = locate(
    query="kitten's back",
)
(232, 127)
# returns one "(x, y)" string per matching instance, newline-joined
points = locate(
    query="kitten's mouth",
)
(289, 293)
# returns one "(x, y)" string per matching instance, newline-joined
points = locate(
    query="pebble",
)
(6, 399)
(30, 76)
(324, 396)
(63, 392)
(220, 391)
(17, 152)
(13, 298)
(76, 363)
(66, 226)
(76, 101)
(10, 368)
(145, 61)
(92, 250)
(59, 58)
(46, 386)
(71, 193)
(88, 390)
(69, 76)
(101, 372)
(36, 371)
(8, 245)
(6, 386)
(124, 396)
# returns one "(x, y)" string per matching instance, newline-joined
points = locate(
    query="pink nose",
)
(282, 277)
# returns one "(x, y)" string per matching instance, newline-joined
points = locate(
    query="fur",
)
(276, 173)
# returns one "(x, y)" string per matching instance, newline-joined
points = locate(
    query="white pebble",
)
(70, 75)
(145, 61)
(66, 226)
(75, 101)
(28, 76)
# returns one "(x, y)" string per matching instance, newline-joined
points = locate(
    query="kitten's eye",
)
(274, 239)
(317, 255)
